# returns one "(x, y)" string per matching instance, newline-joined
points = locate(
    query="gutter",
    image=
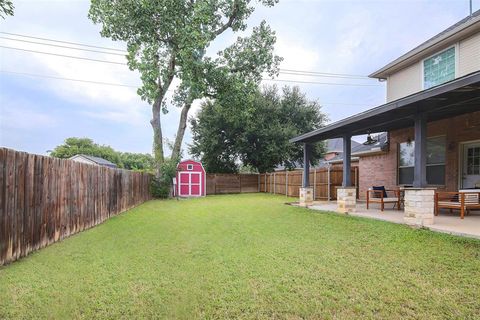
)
(354, 159)
(372, 151)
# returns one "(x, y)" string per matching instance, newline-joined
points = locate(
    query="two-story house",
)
(432, 117)
(453, 143)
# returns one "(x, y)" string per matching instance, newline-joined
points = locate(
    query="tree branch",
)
(230, 21)
(170, 74)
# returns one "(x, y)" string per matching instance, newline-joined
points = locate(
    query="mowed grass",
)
(245, 256)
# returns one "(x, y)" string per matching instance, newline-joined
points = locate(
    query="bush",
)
(161, 187)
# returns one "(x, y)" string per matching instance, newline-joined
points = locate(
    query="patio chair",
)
(462, 201)
(382, 196)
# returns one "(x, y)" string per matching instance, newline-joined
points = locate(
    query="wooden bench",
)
(378, 196)
(462, 201)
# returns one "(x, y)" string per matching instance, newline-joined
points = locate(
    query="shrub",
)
(161, 187)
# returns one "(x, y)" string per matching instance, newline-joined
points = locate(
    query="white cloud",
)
(296, 55)
(18, 113)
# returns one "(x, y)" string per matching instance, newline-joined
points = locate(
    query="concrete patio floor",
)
(445, 222)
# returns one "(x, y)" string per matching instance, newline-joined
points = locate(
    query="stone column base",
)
(306, 197)
(346, 199)
(419, 206)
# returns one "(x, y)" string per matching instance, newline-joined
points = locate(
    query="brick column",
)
(419, 206)
(306, 197)
(346, 199)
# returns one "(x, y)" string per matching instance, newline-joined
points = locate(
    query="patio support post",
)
(347, 155)
(346, 194)
(306, 192)
(420, 169)
(306, 165)
(420, 200)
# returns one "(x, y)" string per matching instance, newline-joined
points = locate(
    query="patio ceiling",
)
(453, 98)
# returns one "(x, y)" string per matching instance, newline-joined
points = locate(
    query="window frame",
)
(444, 164)
(190, 167)
(473, 166)
(422, 62)
(402, 167)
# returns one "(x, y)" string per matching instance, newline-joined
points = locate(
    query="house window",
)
(473, 161)
(189, 167)
(439, 68)
(435, 161)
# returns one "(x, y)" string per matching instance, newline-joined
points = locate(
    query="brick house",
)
(431, 118)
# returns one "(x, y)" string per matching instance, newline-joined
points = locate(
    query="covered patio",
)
(445, 222)
(455, 98)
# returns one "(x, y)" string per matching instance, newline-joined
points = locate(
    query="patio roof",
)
(453, 98)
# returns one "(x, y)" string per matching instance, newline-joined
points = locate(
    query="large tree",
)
(255, 131)
(168, 39)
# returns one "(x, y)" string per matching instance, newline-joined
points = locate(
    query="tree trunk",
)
(182, 125)
(157, 135)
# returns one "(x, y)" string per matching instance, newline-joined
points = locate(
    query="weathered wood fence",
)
(44, 199)
(323, 180)
(218, 183)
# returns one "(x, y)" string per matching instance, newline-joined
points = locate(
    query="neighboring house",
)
(333, 154)
(378, 144)
(335, 148)
(433, 96)
(93, 160)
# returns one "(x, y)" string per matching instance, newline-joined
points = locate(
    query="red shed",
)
(191, 179)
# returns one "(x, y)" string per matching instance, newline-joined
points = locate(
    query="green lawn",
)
(245, 256)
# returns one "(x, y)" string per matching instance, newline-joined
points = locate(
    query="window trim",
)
(190, 167)
(422, 62)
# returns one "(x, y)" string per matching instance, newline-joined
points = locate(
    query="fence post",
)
(356, 181)
(258, 183)
(274, 186)
(328, 182)
(272, 181)
(286, 183)
(265, 182)
(314, 183)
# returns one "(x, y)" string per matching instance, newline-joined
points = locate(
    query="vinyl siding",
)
(469, 55)
(404, 82)
(409, 80)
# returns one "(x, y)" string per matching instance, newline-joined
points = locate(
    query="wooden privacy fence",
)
(44, 199)
(218, 183)
(323, 180)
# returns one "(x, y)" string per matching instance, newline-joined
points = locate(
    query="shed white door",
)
(190, 184)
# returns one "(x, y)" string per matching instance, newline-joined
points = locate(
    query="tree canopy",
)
(131, 161)
(169, 39)
(6, 8)
(255, 131)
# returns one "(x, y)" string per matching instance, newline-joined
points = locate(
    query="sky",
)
(336, 36)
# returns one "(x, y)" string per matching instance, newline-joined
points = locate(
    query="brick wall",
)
(382, 169)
